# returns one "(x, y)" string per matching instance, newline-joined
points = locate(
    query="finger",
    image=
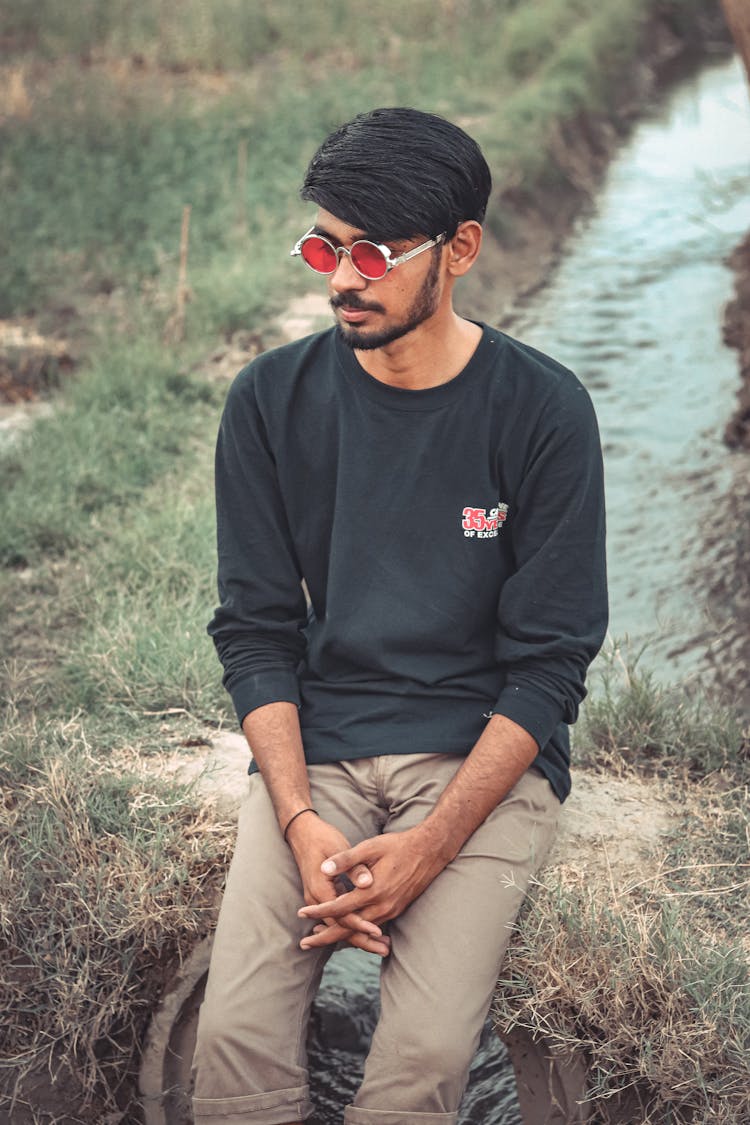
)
(353, 936)
(361, 875)
(351, 923)
(335, 907)
(331, 935)
(381, 946)
(357, 856)
(350, 920)
(325, 935)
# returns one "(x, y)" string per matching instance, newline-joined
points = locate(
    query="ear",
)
(463, 248)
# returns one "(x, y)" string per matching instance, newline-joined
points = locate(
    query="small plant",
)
(633, 722)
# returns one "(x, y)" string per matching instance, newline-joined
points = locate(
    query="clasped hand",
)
(388, 872)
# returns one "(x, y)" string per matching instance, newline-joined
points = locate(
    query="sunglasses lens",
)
(369, 260)
(318, 254)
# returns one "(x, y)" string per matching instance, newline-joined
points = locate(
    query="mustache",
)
(353, 301)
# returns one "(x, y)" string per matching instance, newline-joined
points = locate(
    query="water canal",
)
(635, 309)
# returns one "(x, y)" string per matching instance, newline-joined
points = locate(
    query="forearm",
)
(499, 758)
(273, 732)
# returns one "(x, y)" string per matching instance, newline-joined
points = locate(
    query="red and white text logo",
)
(482, 524)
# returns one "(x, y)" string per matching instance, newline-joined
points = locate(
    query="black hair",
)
(398, 173)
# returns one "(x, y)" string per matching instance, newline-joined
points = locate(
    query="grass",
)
(118, 429)
(122, 143)
(661, 1015)
(633, 722)
(148, 596)
(110, 875)
(648, 976)
(112, 119)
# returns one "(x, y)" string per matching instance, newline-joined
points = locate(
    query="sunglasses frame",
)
(390, 261)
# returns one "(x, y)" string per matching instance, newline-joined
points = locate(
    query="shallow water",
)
(635, 309)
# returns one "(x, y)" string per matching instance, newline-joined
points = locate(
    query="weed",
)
(634, 723)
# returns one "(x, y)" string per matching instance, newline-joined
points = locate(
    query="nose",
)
(345, 277)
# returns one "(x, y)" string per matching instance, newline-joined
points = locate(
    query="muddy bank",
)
(737, 335)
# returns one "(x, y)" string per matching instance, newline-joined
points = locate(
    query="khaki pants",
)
(436, 984)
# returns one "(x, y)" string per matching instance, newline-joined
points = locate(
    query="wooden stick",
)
(174, 330)
(242, 185)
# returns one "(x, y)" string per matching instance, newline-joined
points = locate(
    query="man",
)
(437, 487)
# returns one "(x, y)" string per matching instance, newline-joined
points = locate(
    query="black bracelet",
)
(289, 822)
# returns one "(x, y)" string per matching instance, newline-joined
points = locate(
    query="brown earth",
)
(737, 335)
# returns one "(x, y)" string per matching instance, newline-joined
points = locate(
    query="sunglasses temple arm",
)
(412, 253)
(297, 248)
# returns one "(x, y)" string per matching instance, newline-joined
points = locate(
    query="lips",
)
(352, 316)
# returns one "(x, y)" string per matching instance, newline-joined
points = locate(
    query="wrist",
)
(295, 817)
(437, 841)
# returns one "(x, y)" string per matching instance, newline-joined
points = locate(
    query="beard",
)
(422, 308)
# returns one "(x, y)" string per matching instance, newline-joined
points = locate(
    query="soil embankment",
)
(737, 335)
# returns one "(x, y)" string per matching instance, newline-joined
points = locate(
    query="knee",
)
(424, 1070)
(437, 1054)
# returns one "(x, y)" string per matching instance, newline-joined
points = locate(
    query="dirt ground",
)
(611, 828)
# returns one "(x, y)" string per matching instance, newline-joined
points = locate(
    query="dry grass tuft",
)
(661, 1014)
(109, 878)
(647, 974)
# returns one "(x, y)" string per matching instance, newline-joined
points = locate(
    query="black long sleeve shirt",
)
(451, 540)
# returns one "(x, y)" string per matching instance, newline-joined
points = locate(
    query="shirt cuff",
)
(538, 713)
(278, 686)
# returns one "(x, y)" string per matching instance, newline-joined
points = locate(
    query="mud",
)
(737, 335)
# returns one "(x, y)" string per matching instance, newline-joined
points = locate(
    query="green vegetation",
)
(632, 722)
(647, 976)
(98, 160)
(113, 119)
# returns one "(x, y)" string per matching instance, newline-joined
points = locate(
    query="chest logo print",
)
(480, 524)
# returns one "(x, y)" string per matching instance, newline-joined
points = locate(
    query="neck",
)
(434, 353)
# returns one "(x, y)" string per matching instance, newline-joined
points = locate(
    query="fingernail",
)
(328, 867)
(363, 877)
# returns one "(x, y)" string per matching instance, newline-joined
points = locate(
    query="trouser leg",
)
(447, 948)
(250, 1062)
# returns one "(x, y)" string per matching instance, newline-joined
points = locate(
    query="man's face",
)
(372, 314)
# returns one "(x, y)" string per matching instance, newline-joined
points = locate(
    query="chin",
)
(369, 341)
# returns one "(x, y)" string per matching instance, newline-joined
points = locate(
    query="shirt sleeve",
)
(258, 627)
(552, 611)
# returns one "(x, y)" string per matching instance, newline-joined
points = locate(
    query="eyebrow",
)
(363, 236)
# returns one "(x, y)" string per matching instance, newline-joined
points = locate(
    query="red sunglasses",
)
(370, 260)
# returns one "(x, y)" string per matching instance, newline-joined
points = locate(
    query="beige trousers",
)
(436, 984)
